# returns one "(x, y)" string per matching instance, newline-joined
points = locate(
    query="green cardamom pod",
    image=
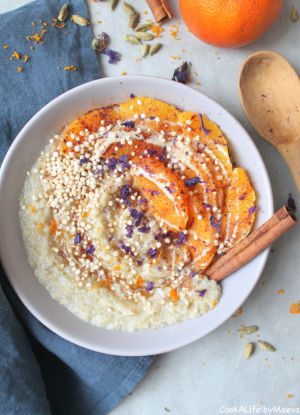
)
(63, 13)
(248, 350)
(266, 346)
(129, 9)
(244, 330)
(143, 27)
(132, 39)
(134, 20)
(80, 20)
(294, 15)
(145, 50)
(155, 48)
(144, 36)
(113, 4)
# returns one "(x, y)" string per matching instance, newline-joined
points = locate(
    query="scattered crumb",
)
(289, 395)
(5, 46)
(123, 73)
(19, 69)
(281, 291)
(167, 409)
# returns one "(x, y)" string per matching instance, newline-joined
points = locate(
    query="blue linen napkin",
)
(41, 373)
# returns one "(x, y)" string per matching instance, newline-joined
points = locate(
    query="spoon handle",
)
(291, 153)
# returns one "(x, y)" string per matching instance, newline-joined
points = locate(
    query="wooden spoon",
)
(269, 91)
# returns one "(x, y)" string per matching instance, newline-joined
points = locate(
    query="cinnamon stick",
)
(160, 9)
(250, 247)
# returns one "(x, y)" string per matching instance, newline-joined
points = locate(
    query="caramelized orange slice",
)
(239, 210)
(165, 192)
(201, 236)
(215, 145)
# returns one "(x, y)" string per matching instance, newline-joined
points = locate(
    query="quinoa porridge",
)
(127, 207)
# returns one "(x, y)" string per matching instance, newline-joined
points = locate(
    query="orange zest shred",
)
(37, 37)
(295, 308)
(40, 228)
(16, 55)
(157, 30)
(33, 209)
(139, 282)
(20, 69)
(117, 268)
(25, 58)
(52, 226)
(174, 295)
(70, 68)
(56, 23)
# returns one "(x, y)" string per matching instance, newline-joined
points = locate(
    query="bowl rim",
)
(76, 339)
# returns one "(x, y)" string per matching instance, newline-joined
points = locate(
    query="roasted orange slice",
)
(164, 190)
(239, 210)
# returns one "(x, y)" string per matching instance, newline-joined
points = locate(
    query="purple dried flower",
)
(113, 56)
(129, 124)
(291, 204)
(137, 215)
(215, 224)
(194, 273)
(123, 161)
(149, 286)
(201, 292)
(90, 250)
(207, 205)
(242, 197)
(144, 229)
(151, 117)
(112, 163)
(207, 132)
(139, 262)
(163, 155)
(125, 192)
(151, 151)
(154, 193)
(77, 238)
(125, 248)
(129, 230)
(170, 190)
(181, 74)
(84, 160)
(192, 182)
(143, 201)
(252, 210)
(152, 252)
(181, 238)
(131, 95)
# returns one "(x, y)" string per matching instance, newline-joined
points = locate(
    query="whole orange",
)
(229, 23)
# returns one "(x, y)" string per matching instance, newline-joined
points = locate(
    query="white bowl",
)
(23, 153)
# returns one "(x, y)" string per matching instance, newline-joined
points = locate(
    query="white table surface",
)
(211, 374)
